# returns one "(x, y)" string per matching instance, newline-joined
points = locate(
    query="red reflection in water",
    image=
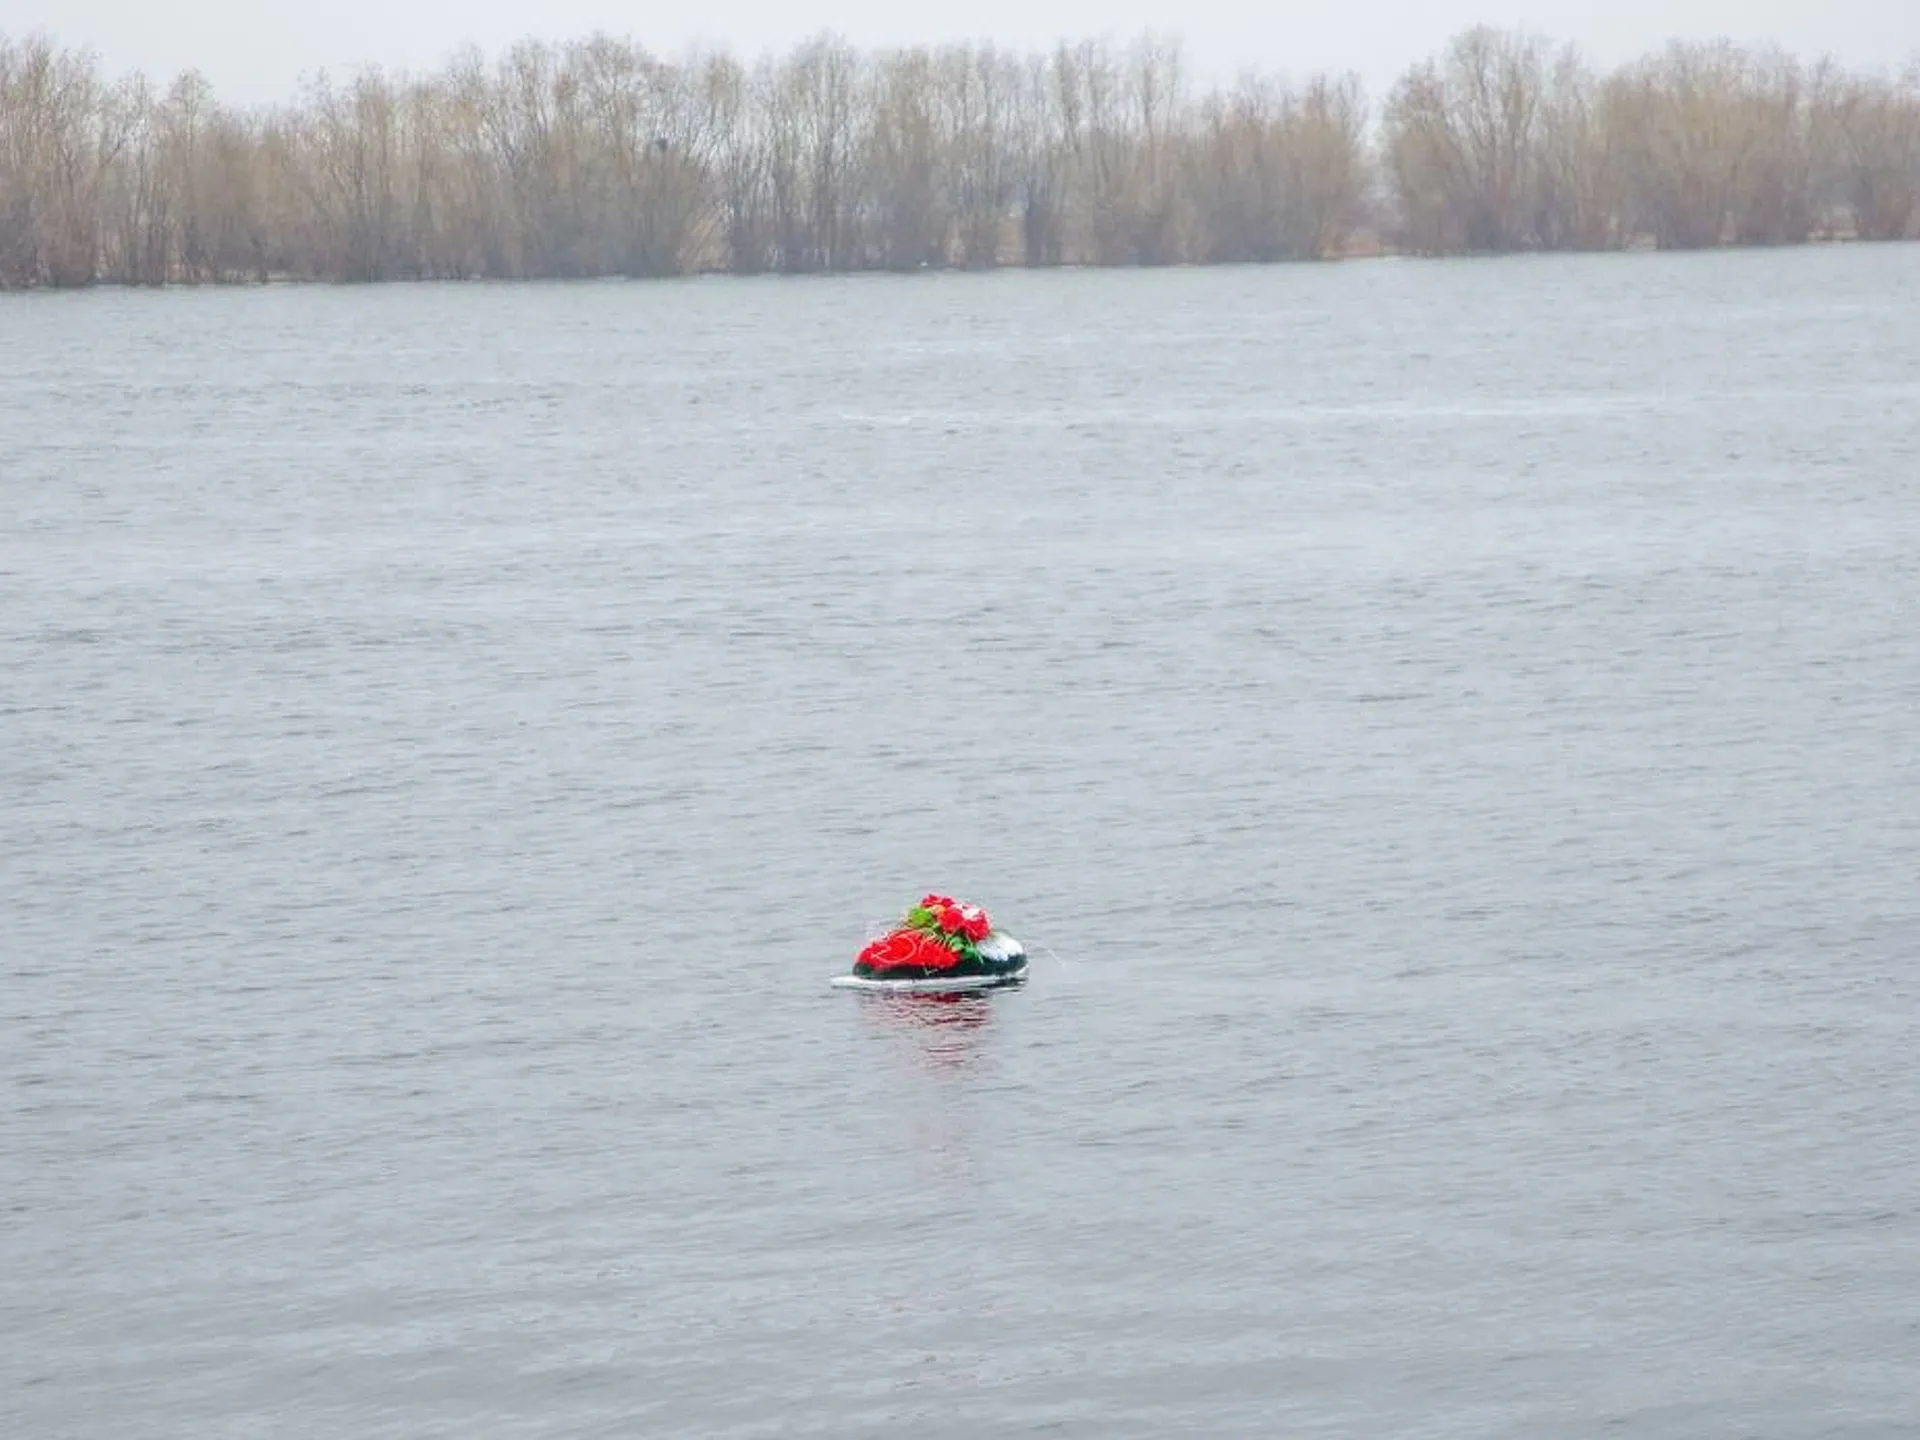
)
(945, 1029)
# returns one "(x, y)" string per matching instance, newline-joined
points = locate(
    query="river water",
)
(1446, 730)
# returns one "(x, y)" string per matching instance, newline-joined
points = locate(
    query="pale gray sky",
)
(258, 51)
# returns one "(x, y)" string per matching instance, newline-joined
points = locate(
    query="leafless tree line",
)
(598, 159)
(1505, 144)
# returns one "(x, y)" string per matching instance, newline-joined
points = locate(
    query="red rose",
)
(950, 918)
(975, 926)
(890, 949)
(907, 950)
(934, 954)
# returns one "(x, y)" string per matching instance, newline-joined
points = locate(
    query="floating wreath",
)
(938, 935)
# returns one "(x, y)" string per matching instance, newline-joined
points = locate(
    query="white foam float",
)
(959, 984)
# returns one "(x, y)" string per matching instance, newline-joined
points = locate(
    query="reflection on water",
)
(942, 1048)
(946, 1031)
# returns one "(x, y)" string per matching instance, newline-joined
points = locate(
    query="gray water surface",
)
(1451, 726)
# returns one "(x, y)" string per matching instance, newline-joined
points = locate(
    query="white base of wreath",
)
(933, 987)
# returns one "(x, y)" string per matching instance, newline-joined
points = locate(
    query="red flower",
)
(907, 950)
(975, 926)
(950, 918)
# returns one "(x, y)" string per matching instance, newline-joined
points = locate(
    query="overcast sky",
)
(258, 51)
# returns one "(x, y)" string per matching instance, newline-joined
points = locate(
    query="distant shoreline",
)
(721, 275)
(717, 275)
(597, 160)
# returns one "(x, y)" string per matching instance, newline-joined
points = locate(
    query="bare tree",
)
(1576, 183)
(908, 219)
(1462, 139)
(1686, 143)
(1045, 116)
(62, 133)
(743, 169)
(1278, 174)
(979, 94)
(1868, 139)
